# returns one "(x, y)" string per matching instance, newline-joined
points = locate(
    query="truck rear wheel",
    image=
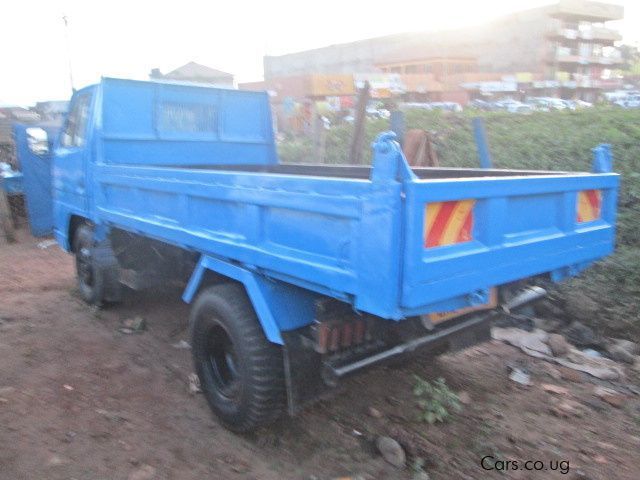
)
(241, 372)
(90, 280)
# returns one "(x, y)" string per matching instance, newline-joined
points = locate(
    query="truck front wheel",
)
(90, 281)
(241, 372)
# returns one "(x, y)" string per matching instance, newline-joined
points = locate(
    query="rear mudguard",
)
(280, 307)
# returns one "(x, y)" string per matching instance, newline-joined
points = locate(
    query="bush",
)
(436, 401)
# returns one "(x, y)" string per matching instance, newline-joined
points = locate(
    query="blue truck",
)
(300, 275)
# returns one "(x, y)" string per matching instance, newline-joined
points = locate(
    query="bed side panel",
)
(516, 228)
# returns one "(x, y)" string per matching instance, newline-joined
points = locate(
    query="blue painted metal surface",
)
(36, 169)
(480, 135)
(602, 159)
(523, 226)
(279, 306)
(145, 123)
(398, 125)
(13, 183)
(291, 237)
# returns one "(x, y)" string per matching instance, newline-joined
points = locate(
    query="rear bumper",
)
(309, 373)
(449, 337)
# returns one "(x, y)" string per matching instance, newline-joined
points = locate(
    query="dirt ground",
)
(81, 400)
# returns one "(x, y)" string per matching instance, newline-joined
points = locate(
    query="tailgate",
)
(465, 235)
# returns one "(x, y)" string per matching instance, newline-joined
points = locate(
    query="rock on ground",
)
(375, 413)
(580, 335)
(464, 398)
(612, 397)
(391, 451)
(421, 475)
(620, 354)
(145, 472)
(558, 345)
(622, 350)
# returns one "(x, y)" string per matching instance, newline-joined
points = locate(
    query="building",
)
(563, 49)
(11, 115)
(440, 67)
(52, 111)
(194, 72)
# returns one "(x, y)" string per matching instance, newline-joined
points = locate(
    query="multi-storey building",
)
(565, 49)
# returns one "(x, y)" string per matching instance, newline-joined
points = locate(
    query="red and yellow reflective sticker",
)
(589, 205)
(448, 223)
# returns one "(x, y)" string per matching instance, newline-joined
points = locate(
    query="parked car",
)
(630, 101)
(483, 105)
(513, 106)
(374, 112)
(582, 104)
(445, 106)
(618, 95)
(521, 108)
(555, 103)
(538, 104)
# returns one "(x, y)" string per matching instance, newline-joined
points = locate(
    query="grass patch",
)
(436, 401)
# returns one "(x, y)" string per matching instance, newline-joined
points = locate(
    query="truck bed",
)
(338, 231)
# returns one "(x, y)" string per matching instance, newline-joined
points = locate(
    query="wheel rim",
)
(222, 363)
(83, 266)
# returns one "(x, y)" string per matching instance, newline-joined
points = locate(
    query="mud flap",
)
(302, 368)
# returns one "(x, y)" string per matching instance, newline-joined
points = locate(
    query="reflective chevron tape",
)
(589, 205)
(448, 223)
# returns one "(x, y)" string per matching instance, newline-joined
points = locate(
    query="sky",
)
(127, 38)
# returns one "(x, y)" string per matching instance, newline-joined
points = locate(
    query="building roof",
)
(193, 70)
(587, 10)
(52, 106)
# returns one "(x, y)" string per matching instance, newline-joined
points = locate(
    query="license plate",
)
(437, 317)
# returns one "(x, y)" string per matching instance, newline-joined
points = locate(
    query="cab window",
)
(76, 127)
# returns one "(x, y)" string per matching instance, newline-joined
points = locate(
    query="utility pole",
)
(357, 141)
(68, 43)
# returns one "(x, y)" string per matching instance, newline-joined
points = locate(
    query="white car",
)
(583, 104)
(545, 104)
(556, 103)
(630, 101)
(521, 108)
(446, 106)
(514, 106)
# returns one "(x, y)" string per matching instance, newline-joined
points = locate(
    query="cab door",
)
(34, 152)
(70, 180)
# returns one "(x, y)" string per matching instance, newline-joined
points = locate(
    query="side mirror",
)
(37, 140)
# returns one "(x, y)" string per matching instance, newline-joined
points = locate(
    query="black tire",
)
(90, 278)
(241, 373)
